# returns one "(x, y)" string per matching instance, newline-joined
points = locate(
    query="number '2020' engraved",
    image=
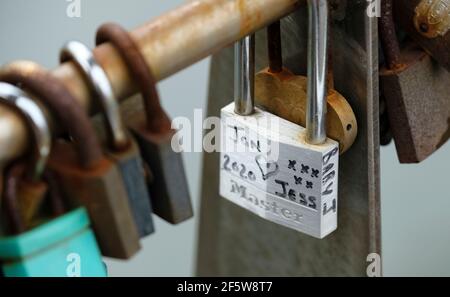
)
(239, 168)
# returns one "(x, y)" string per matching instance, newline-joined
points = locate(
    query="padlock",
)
(415, 89)
(121, 149)
(85, 175)
(428, 23)
(32, 188)
(168, 188)
(61, 245)
(42, 248)
(274, 168)
(282, 93)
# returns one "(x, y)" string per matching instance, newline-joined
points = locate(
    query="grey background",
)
(415, 198)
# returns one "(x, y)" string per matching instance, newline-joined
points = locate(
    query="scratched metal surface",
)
(234, 242)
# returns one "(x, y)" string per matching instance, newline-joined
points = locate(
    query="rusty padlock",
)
(416, 91)
(121, 148)
(31, 188)
(85, 175)
(169, 190)
(284, 94)
(428, 23)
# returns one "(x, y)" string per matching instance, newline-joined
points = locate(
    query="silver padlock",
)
(121, 148)
(276, 169)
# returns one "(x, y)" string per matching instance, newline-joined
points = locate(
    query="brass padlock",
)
(169, 190)
(31, 187)
(428, 23)
(284, 94)
(85, 175)
(121, 148)
(415, 89)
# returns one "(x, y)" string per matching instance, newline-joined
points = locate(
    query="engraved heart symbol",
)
(267, 169)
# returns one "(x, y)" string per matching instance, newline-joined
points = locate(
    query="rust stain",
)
(181, 29)
(246, 20)
(249, 20)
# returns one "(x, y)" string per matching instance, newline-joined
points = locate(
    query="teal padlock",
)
(57, 244)
(63, 247)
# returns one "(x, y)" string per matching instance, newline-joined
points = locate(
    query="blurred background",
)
(415, 200)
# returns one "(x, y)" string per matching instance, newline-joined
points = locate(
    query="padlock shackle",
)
(37, 124)
(84, 58)
(55, 193)
(389, 41)
(316, 107)
(274, 48)
(275, 51)
(157, 120)
(67, 111)
(244, 76)
(11, 204)
(330, 63)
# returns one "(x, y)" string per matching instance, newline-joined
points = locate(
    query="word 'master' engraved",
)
(275, 174)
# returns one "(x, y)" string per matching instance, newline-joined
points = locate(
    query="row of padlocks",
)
(91, 189)
(64, 187)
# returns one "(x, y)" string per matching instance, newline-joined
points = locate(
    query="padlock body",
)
(268, 168)
(169, 189)
(418, 105)
(130, 165)
(62, 247)
(102, 191)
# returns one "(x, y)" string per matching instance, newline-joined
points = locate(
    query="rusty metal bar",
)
(169, 43)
